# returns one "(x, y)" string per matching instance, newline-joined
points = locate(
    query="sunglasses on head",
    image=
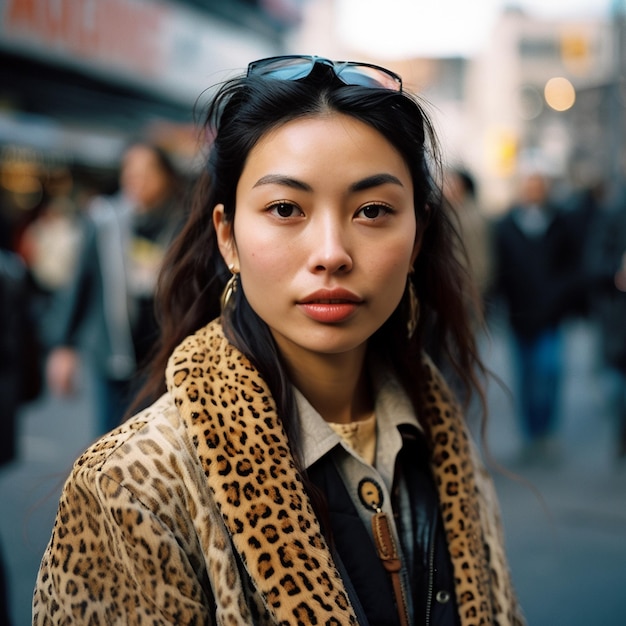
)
(295, 67)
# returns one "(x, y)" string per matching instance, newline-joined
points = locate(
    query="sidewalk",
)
(53, 433)
(566, 528)
(568, 559)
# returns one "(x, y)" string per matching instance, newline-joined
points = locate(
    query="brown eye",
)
(285, 209)
(372, 211)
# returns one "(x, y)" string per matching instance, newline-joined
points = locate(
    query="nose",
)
(330, 247)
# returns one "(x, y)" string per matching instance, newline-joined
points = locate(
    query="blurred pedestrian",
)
(107, 309)
(459, 188)
(50, 242)
(13, 312)
(605, 263)
(305, 461)
(535, 278)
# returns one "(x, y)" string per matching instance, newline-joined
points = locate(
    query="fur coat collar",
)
(250, 471)
(193, 512)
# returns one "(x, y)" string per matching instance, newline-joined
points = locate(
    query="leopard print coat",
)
(193, 512)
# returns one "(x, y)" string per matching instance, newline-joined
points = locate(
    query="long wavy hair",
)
(240, 113)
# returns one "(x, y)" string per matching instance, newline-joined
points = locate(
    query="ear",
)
(225, 237)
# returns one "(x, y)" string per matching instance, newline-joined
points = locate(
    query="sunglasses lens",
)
(296, 67)
(366, 76)
(282, 68)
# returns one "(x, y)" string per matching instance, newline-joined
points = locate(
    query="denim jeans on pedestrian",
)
(539, 364)
(112, 397)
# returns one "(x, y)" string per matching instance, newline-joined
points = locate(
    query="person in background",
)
(303, 461)
(605, 272)
(536, 263)
(459, 190)
(107, 309)
(49, 243)
(14, 300)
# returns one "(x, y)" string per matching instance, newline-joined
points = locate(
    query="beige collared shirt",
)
(392, 409)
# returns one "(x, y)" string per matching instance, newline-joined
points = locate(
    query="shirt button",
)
(442, 597)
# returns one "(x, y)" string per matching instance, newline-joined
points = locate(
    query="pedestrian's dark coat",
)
(536, 275)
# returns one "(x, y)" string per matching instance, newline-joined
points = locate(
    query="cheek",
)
(392, 281)
(264, 264)
(389, 273)
(259, 258)
(393, 262)
(262, 249)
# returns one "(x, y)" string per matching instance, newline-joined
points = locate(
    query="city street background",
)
(79, 79)
(565, 524)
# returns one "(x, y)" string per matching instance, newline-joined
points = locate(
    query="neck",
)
(336, 385)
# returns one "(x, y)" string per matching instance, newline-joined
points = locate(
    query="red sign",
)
(126, 34)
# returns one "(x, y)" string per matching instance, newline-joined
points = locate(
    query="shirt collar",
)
(393, 408)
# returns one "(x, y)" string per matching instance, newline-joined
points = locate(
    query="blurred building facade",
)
(536, 100)
(79, 79)
(538, 95)
(117, 64)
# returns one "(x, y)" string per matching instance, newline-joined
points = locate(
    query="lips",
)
(331, 296)
(330, 306)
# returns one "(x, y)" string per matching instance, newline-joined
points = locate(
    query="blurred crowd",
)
(547, 259)
(79, 256)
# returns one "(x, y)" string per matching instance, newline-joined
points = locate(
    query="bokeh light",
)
(559, 93)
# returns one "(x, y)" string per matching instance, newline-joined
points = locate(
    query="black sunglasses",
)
(295, 67)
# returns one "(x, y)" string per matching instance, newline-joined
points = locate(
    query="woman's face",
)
(143, 179)
(324, 233)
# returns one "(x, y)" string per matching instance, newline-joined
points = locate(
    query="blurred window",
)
(536, 48)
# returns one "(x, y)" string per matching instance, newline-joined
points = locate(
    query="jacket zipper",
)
(431, 576)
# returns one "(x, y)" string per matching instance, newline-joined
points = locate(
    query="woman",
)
(305, 463)
(106, 311)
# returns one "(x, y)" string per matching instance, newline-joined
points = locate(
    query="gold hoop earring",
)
(230, 288)
(414, 308)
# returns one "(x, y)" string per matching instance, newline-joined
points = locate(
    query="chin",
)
(336, 340)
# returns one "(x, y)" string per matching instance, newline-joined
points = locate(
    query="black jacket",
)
(604, 256)
(536, 275)
(13, 312)
(429, 570)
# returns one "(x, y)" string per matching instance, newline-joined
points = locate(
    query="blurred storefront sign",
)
(164, 47)
(79, 77)
(57, 141)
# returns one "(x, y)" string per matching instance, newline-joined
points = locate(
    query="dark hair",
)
(467, 181)
(240, 114)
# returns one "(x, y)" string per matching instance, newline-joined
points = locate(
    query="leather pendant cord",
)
(388, 554)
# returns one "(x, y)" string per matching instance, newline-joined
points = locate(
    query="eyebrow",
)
(376, 180)
(278, 179)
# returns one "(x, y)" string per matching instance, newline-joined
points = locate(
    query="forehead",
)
(328, 141)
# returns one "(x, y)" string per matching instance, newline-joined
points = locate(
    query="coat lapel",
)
(249, 468)
(252, 475)
(460, 501)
